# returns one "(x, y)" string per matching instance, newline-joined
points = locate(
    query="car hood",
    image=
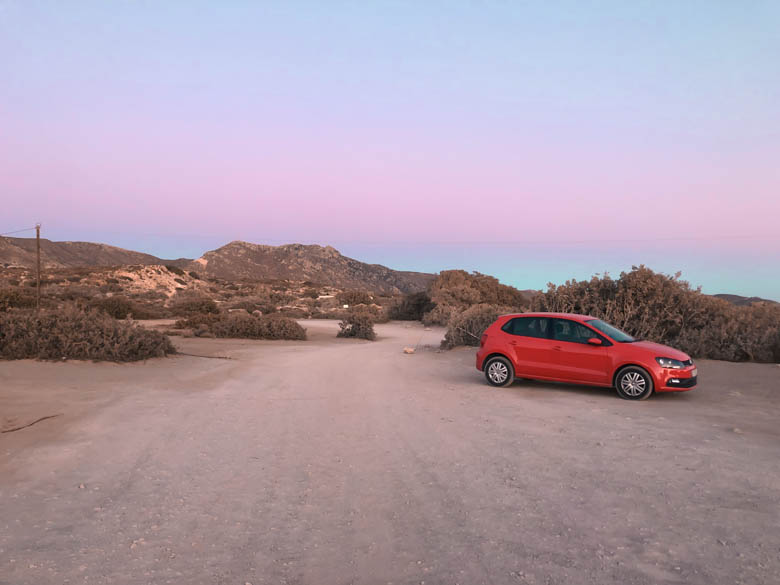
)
(661, 350)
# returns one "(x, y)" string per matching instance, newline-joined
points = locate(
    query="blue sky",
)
(536, 141)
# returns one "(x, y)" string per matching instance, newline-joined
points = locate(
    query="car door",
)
(531, 346)
(576, 359)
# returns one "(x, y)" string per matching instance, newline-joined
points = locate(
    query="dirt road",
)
(339, 461)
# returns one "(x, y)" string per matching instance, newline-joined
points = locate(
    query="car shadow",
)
(593, 390)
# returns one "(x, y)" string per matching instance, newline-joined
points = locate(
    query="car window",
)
(529, 326)
(565, 330)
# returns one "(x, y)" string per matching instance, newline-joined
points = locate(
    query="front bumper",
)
(678, 380)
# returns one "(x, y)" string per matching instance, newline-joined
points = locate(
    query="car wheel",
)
(633, 383)
(499, 372)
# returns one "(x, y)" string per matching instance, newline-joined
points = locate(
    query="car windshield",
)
(613, 332)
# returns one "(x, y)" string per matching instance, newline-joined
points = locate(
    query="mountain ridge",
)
(237, 260)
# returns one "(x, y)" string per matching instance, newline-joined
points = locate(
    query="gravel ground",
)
(340, 461)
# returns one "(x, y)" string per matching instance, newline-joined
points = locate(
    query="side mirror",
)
(594, 341)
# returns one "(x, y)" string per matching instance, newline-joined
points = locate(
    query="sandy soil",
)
(340, 461)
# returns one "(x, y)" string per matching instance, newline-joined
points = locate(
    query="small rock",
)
(737, 430)
(81, 486)
(408, 350)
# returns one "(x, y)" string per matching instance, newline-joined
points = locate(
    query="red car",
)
(580, 349)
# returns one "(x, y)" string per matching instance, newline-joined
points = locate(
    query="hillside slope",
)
(324, 265)
(21, 252)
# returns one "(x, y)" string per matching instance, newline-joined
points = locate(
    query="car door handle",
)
(512, 343)
(557, 347)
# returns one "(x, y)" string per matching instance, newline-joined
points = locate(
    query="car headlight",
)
(669, 363)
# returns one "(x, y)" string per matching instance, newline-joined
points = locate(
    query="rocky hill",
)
(324, 265)
(235, 261)
(21, 252)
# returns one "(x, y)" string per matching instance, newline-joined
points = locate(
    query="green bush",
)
(467, 327)
(667, 310)
(75, 333)
(358, 324)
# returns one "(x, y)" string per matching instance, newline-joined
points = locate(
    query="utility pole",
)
(38, 262)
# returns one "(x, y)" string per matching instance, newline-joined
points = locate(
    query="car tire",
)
(499, 372)
(633, 383)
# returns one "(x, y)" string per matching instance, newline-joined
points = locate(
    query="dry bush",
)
(467, 327)
(667, 310)
(197, 320)
(454, 291)
(76, 333)
(116, 307)
(411, 307)
(439, 315)
(175, 270)
(16, 298)
(195, 306)
(246, 326)
(377, 313)
(354, 297)
(358, 324)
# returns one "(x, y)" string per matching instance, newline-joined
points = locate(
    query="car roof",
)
(572, 316)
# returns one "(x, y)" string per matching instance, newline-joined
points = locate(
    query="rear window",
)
(528, 326)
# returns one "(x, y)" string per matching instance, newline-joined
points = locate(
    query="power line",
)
(18, 231)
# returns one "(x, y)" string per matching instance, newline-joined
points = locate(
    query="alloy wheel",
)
(633, 384)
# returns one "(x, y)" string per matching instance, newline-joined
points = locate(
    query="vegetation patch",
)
(358, 324)
(667, 310)
(16, 298)
(454, 291)
(76, 333)
(241, 325)
(195, 306)
(411, 307)
(467, 327)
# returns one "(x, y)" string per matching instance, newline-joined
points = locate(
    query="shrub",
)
(246, 326)
(116, 307)
(194, 306)
(467, 327)
(14, 298)
(411, 307)
(354, 297)
(454, 291)
(439, 315)
(358, 324)
(175, 270)
(197, 320)
(667, 310)
(75, 333)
